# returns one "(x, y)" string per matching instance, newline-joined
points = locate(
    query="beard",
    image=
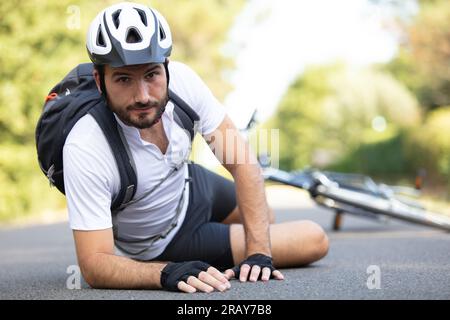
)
(152, 112)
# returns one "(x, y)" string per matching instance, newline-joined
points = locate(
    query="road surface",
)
(366, 260)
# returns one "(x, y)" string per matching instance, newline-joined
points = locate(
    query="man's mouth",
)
(147, 108)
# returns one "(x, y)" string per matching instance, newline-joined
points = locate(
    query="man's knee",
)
(318, 240)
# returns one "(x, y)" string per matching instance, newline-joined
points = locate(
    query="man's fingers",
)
(219, 276)
(210, 280)
(184, 287)
(206, 282)
(265, 274)
(200, 285)
(229, 274)
(254, 275)
(277, 275)
(245, 269)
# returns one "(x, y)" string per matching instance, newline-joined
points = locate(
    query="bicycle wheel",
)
(390, 207)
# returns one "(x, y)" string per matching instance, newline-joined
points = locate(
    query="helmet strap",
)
(101, 72)
(166, 66)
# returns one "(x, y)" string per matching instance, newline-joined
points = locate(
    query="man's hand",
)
(192, 276)
(259, 264)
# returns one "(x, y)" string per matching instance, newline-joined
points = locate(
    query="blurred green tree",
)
(423, 61)
(329, 111)
(428, 147)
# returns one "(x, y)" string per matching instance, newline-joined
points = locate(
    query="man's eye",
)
(151, 75)
(123, 79)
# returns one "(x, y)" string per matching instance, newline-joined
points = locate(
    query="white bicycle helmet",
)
(128, 33)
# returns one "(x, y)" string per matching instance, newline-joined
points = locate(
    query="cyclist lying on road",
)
(215, 224)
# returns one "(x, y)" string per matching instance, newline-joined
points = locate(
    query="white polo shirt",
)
(91, 178)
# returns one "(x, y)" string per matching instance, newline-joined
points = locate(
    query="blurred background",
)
(354, 86)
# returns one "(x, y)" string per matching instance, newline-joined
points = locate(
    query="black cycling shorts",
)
(202, 237)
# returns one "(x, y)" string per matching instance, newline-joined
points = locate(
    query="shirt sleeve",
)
(191, 87)
(87, 190)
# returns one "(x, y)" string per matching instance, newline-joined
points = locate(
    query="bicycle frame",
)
(368, 199)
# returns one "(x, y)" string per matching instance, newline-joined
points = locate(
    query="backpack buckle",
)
(50, 173)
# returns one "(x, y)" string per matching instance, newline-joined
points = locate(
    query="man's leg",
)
(294, 244)
(235, 217)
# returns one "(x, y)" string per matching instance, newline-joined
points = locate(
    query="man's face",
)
(137, 94)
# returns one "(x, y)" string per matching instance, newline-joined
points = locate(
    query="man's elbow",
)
(92, 280)
(91, 271)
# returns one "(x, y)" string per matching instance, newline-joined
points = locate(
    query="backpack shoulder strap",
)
(187, 117)
(128, 179)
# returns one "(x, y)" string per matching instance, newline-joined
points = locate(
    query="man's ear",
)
(96, 75)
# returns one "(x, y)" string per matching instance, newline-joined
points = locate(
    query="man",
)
(214, 224)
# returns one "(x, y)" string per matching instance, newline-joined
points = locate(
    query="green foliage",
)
(31, 35)
(328, 112)
(429, 146)
(387, 158)
(423, 60)
(407, 152)
(23, 191)
(40, 42)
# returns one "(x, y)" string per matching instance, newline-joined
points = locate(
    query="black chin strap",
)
(166, 66)
(101, 73)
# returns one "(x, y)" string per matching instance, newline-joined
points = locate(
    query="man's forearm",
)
(103, 270)
(235, 154)
(253, 206)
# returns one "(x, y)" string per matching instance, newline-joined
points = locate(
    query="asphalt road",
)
(412, 262)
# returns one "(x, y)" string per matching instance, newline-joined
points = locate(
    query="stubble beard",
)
(142, 120)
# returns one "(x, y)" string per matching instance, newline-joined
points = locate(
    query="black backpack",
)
(71, 99)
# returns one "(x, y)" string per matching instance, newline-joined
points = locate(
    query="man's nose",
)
(142, 93)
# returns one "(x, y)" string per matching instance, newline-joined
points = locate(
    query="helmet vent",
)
(162, 34)
(133, 36)
(115, 18)
(142, 15)
(100, 39)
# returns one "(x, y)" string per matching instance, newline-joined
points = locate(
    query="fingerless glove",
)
(175, 272)
(257, 259)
